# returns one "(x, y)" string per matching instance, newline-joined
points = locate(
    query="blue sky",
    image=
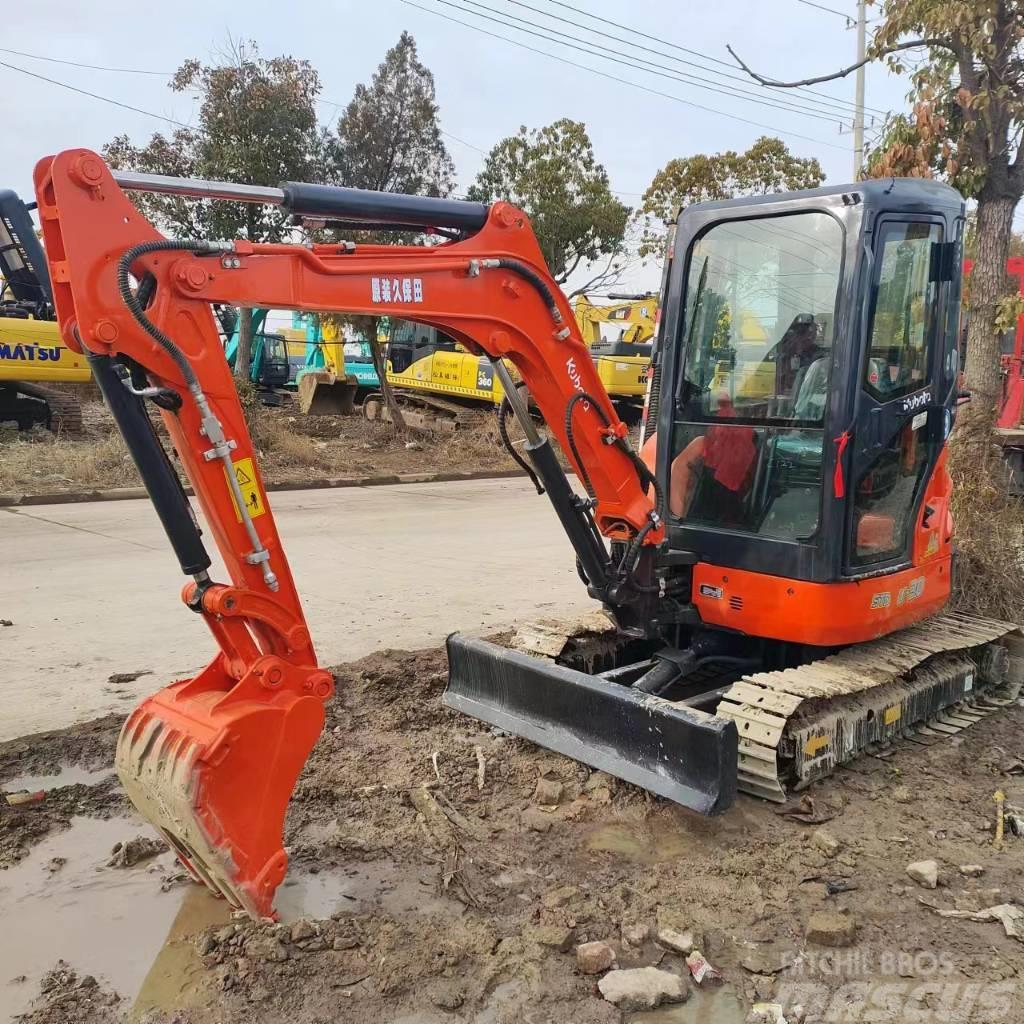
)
(487, 87)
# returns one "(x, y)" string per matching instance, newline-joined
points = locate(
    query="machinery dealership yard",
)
(497, 548)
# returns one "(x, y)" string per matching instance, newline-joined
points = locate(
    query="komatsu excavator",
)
(776, 579)
(32, 355)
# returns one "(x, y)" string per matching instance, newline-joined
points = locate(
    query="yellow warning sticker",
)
(246, 477)
(815, 744)
(892, 714)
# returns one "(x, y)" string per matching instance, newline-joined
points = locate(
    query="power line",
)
(684, 49)
(614, 78)
(547, 33)
(799, 103)
(91, 67)
(637, 63)
(463, 142)
(93, 95)
(830, 10)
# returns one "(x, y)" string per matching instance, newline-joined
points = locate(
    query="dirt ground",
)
(443, 891)
(291, 448)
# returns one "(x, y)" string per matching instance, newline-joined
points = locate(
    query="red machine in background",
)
(1009, 427)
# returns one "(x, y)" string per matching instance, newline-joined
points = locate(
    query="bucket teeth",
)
(160, 768)
(215, 779)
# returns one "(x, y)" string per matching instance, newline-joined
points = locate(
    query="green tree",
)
(388, 139)
(257, 124)
(552, 175)
(767, 166)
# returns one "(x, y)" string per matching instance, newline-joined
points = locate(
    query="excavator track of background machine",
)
(799, 724)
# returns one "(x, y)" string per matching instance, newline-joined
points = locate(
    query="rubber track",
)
(792, 723)
(65, 409)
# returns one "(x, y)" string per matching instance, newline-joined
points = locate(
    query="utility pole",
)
(858, 116)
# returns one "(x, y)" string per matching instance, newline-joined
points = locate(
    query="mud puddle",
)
(68, 775)
(720, 1006)
(61, 902)
(361, 889)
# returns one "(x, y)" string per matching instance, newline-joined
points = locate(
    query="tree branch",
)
(843, 72)
(569, 271)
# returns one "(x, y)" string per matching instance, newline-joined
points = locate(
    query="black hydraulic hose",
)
(528, 273)
(124, 266)
(627, 566)
(582, 396)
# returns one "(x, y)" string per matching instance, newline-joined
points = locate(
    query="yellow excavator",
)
(437, 379)
(32, 354)
(622, 360)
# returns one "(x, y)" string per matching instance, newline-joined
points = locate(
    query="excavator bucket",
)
(675, 751)
(214, 772)
(324, 393)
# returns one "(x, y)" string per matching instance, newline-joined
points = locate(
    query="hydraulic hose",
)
(536, 280)
(211, 427)
(627, 566)
(503, 410)
(582, 396)
(131, 300)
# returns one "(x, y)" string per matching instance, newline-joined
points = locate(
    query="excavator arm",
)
(213, 760)
(634, 315)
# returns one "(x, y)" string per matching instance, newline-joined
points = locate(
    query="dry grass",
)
(290, 447)
(989, 524)
(44, 463)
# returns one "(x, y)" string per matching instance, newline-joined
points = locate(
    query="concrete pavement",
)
(92, 589)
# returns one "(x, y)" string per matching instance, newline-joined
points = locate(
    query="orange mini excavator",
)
(774, 576)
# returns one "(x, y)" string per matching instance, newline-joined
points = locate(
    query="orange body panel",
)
(823, 614)
(833, 614)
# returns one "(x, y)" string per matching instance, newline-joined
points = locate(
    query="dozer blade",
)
(674, 751)
(323, 393)
(214, 771)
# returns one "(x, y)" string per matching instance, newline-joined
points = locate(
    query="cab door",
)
(901, 419)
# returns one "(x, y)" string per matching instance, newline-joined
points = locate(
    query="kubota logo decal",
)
(575, 378)
(916, 401)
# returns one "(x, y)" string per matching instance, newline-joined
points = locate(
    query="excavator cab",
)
(858, 293)
(808, 501)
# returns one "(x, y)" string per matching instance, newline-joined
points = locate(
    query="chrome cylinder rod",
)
(199, 188)
(515, 399)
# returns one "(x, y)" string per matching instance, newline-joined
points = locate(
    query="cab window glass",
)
(903, 314)
(886, 495)
(749, 433)
(761, 299)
